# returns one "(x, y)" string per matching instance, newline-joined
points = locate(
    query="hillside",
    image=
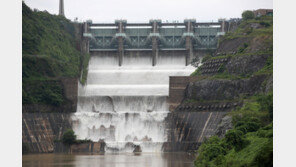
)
(50, 54)
(239, 71)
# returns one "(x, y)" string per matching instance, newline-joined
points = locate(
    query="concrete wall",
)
(177, 89)
(39, 130)
(42, 124)
(188, 129)
(90, 147)
(189, 123)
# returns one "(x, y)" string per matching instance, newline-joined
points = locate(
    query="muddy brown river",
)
(110, 160)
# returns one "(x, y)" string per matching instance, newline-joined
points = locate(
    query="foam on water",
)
(127, 105)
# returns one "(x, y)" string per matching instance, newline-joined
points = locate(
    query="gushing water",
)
(127, 105)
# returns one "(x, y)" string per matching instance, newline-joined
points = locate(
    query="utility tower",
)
(61, 11)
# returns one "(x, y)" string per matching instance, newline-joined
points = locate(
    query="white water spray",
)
(127, 105)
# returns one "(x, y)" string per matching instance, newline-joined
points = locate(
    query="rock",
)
(246, 64)
(129, 145)
(224, 126)
(149, 110)
(146, 138)
(224, 89)
(137, 149)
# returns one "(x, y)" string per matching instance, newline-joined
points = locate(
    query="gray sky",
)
(144, 10)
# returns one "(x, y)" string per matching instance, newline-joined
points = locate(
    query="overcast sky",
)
(144, 10)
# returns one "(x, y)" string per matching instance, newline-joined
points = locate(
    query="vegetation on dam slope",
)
(250, 142)
(49, 53)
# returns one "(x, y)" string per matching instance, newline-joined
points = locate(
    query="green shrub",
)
(211, 149)
(43, 92)
(266, 103)
(53, 97)
(246, 45)
(241, 49)
(265, 24)
(248, 124)
(69, 137)
(247, 15)
(220, 160)
(264, 157)
(49, 54)
(266, 132)
(236, 139)
(250, 112)
(248, 30)
(85, 61)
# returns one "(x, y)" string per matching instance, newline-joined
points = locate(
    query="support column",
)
(86, 36)
(155, 35)
(189, 23)
(120, 35)
(223, 26)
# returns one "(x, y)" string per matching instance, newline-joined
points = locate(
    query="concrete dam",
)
(125, 99)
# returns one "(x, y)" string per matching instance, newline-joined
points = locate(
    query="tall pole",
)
(61, 11)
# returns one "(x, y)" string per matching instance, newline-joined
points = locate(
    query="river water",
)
(110, 160)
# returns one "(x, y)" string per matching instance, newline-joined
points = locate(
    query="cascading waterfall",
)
(127, 105)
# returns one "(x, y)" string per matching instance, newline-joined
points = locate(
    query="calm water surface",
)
(110, 160)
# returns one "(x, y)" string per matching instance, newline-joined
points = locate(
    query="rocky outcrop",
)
(242, 65)
(231, 45)
(246, 64)
(41, 130)
(224, 89)
(224, 126)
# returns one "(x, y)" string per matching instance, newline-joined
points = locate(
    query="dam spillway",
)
(126, 105)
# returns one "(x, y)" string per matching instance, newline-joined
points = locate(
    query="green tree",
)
(264, 157)
(236, 139)
(69, 137)
(266, 103)
(248, 15)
